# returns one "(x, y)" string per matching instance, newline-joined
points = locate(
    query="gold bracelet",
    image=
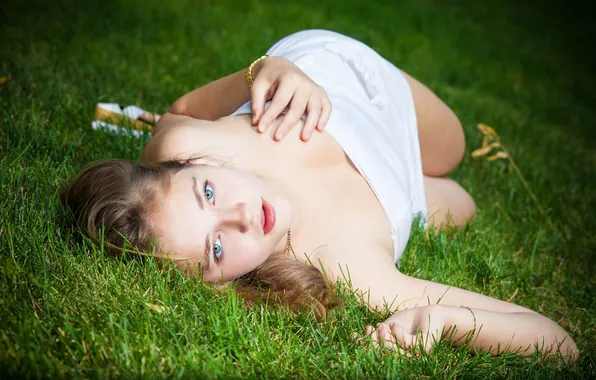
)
(248, 74)
(474, 316)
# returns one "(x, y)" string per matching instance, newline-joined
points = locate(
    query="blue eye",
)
(217, 249)
(208, 192)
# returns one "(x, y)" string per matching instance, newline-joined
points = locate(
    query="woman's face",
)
(226, 220)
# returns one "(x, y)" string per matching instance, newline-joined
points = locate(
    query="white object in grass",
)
(102, 125)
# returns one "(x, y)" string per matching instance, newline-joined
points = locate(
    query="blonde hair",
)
(118, 197)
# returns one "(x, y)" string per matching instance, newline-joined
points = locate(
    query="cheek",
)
(243, 256)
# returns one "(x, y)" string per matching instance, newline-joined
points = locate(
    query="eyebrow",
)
(196, 191)
(199, 199)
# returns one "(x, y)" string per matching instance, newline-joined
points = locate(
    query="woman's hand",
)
(411, 330)
(278, 79)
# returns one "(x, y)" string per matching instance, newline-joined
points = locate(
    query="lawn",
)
(67, 309)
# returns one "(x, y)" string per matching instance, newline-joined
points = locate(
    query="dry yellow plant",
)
(491, 143)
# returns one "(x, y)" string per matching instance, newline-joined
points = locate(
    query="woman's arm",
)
(381, 285)
(498, 332)
(216, 99)
(433, 308)
(276, 79)
(484, 331)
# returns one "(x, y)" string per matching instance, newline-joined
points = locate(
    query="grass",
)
(66, 309)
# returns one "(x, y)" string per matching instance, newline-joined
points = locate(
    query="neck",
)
(297, 206)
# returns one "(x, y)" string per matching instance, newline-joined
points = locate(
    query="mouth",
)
(267, 217)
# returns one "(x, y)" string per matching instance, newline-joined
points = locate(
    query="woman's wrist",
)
(460, 322)
(261, 63)
(258, 66)
(253, 69)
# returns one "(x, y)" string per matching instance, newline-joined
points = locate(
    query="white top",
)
(373, 119)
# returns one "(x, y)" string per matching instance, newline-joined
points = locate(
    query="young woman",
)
(251, 195)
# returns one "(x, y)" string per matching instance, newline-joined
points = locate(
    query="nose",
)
(236, 217)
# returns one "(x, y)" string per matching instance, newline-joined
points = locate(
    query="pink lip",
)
(267, 217)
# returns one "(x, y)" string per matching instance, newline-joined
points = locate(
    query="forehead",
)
(177, 220)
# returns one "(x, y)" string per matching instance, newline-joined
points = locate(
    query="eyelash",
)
(217, 259)
(205, 184)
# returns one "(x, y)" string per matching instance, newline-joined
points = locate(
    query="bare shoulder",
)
(176, 137)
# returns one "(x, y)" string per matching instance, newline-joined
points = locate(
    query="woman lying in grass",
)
(244, 194)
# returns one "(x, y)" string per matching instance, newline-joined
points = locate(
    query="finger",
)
(384, 333)
(387, 339)
(258, 97)
(294, 114)
(281, 99)
(326, 108)
(313, 110)
(269, 91)
(375, 338)
(381, 336)
(401, 337)
(397, 332)
(377, 332)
